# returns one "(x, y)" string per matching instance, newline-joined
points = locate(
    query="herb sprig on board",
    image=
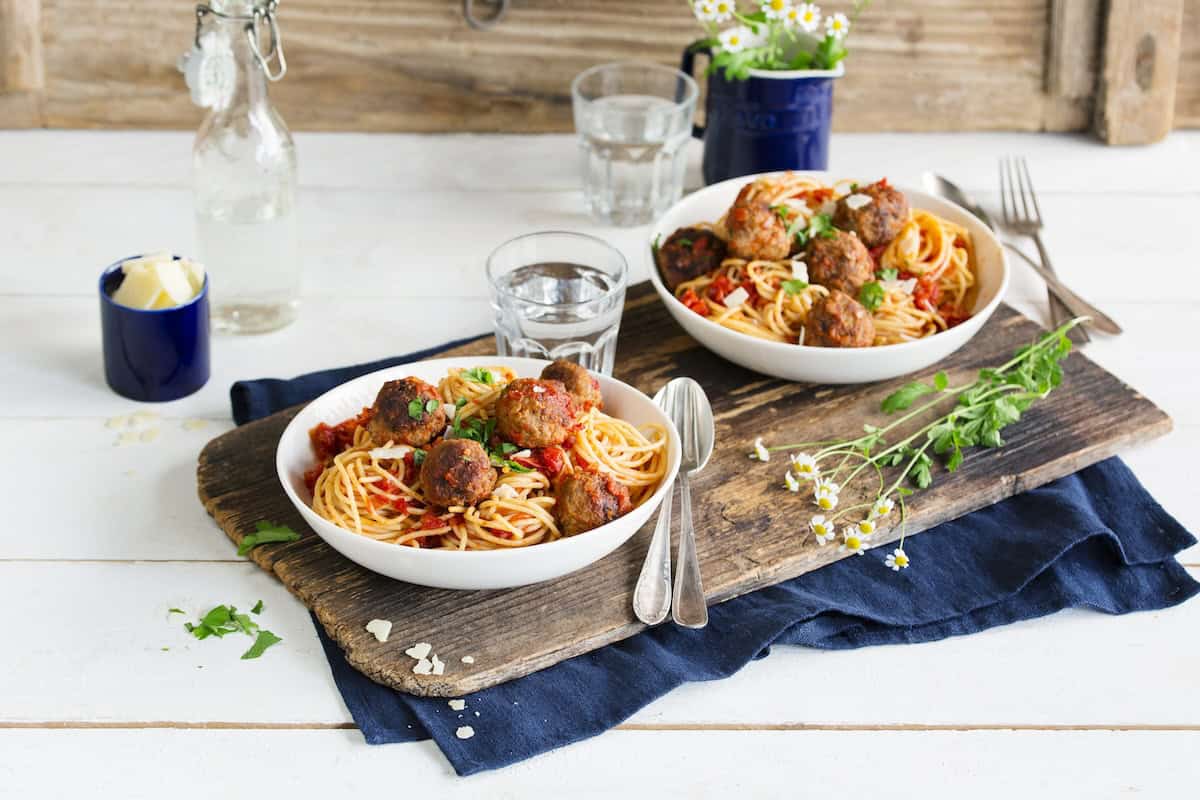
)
(266, 533)
(950, 420)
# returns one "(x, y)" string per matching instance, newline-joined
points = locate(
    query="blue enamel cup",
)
(153, 355)
(768, 122)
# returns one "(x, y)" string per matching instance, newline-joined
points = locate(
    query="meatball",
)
(755, 231)
(876, 222)
(839, 321)
(457, 472)
(588, 499)
(839, 262)
(583, 388)
(535, 413)
(402, 413)
(688, 253)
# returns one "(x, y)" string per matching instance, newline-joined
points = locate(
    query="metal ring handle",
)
(276, 51)
(500, 8)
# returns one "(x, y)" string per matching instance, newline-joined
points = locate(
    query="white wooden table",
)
(102, 694)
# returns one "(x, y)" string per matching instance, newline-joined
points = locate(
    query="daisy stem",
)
(847, 510)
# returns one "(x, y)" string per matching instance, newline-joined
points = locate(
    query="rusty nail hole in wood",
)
(1143, 65)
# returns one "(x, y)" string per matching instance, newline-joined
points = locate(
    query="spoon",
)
(693, 418)
(652, 595)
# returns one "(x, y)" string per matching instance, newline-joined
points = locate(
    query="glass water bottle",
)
(244, 168)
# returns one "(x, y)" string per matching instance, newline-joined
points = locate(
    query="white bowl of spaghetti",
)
(370, 505)
(755, 311)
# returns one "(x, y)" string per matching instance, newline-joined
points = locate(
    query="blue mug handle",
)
(688, 64)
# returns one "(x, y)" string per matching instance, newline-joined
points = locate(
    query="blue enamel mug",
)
(153, 355)
(771, 121)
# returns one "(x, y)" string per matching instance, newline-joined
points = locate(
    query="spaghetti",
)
(929, 264)
(373, 488)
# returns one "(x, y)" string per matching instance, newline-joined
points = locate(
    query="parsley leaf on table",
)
(266, 533)
(265, 639)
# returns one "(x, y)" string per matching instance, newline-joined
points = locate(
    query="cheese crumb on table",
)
(465, 732)
(457, 705)
(419, 650)
(468, 659)
(423, 667)
(438, 666)
(382, 628)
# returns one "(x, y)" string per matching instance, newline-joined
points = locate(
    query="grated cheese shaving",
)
(856, 201)
(736, 298)
(382, 628)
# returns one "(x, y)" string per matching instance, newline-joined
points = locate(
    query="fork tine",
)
(1005, 191)
(1032, 195)
(1026, 215)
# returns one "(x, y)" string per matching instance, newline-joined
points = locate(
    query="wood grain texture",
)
(1135, 102)
(405, 65)
(748, 527)
(22, 76)
(1187, 89)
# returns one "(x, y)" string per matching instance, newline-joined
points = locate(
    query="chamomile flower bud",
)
(824, 531)
(896, 560)
(760, 450)
(837, 26)
(826, 501)
(852, 542)
(806, 17)
(705, 10)
(882, 507)
(791, 481)
(828, 487)
(865, 527)
(776, 9)
(735, 40)
(805, 466)
(723, 10)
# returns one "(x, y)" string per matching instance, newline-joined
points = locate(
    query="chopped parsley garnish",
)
(782, 211)
(684, 242)
(418, 456)
(431, 406)
(854, 187)
(889, 274)
(223, 620)
(265, 639)
(479, 375)
(266, 533)
(474, 428)
(871, 295)
(176, 611)
(654, 247)
(818, 225)
(416, 409)
(500, 461)
(794, 286)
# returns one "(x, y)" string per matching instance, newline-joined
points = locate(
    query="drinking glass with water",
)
(634, 121)
(558, 295)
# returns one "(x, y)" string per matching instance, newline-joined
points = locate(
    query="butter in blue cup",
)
(154, 354)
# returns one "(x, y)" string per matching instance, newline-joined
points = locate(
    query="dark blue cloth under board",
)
(1095, 540)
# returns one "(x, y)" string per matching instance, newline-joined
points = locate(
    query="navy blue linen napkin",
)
(1095, 539)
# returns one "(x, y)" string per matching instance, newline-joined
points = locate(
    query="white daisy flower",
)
(897, 560)
(865, 527)
(826, 501)
(806, 17)
(705, 11)
(776, 9)
(760, 450)
(735, 40)
(852, 542)
(823, 530)
(837, 26)
(805, 466)
(723, 10)
(828, 487)
(883, 506)
(791, 481)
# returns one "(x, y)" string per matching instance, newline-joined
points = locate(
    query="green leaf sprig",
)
(224, 620)
(979, 412)
(817, 225)
(266, 533)
(871, 295)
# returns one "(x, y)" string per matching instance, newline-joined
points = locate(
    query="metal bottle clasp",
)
(263, 14)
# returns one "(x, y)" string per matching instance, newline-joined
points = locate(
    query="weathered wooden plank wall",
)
(414, 65)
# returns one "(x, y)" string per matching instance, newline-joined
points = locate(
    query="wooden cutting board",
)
(750, 531)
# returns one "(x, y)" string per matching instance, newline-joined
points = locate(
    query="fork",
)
(1026, 220)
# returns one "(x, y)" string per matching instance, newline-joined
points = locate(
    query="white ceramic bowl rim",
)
(472, 556)
(790, 350)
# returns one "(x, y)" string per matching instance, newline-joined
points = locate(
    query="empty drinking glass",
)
(634, 121)
(558, 295)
